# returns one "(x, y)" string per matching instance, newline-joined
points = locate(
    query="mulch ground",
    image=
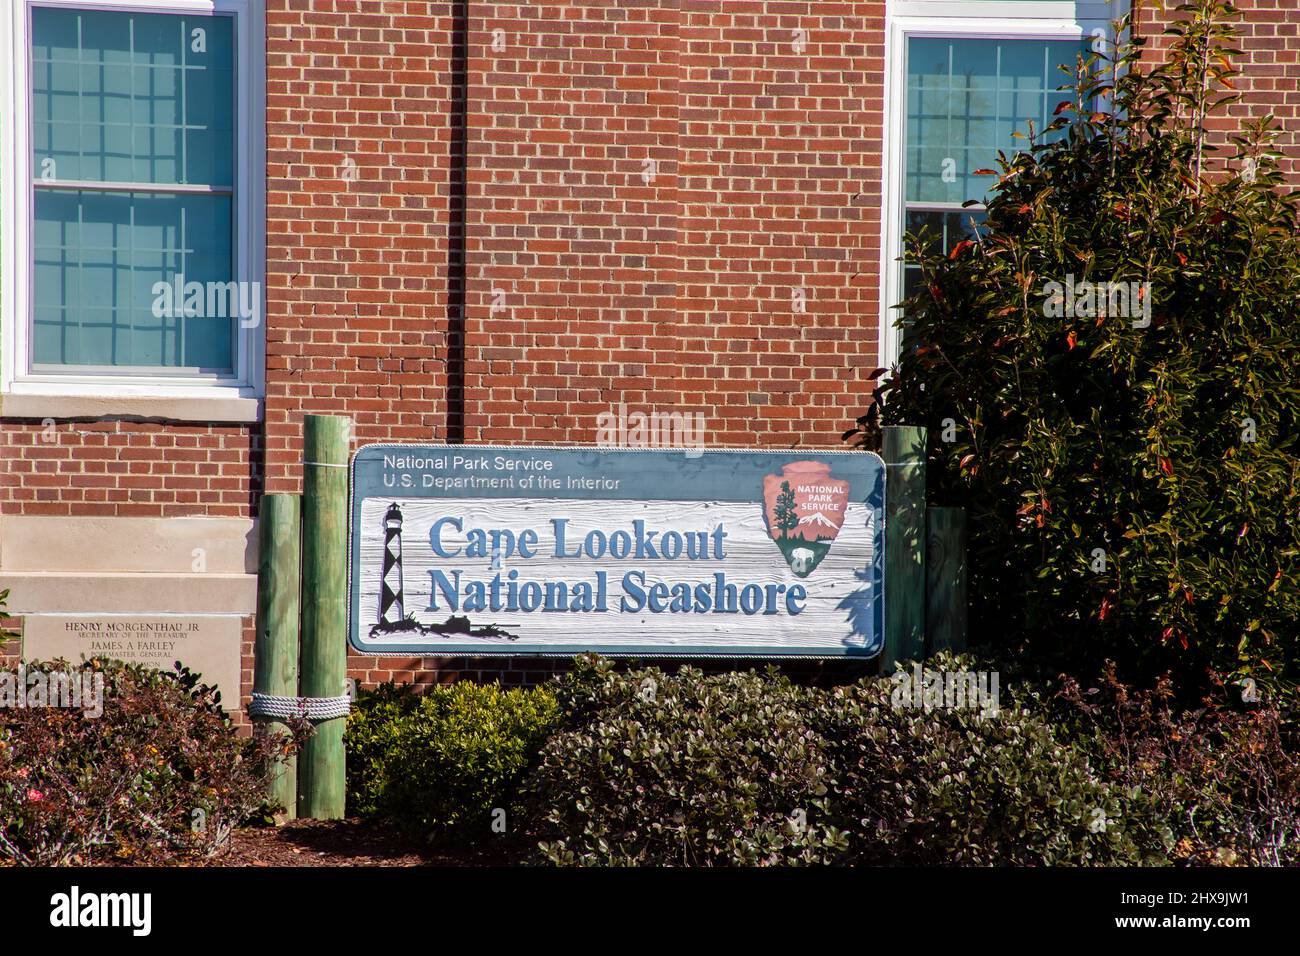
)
(347, 843)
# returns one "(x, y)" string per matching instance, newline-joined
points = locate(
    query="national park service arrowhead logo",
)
(804, 508)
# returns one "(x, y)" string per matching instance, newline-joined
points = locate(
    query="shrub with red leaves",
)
(161, 775)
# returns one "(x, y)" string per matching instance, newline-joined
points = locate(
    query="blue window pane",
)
(965, 99)
(102, 262)
(127, 97)
(120, 98)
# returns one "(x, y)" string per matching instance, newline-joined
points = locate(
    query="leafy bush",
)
(441, 764)
(1227, 781)
(949, 786)
(161, 774)
(684, 770)
(647, 768)
(748, 769)
(1137, 488)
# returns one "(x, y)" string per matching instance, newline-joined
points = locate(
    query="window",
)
(965, 76)
(966, 98)
(135, 256)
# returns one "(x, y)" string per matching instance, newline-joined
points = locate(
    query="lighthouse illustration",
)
(391, 603)
(392, 619)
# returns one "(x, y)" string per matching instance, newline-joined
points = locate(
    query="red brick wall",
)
(672, 286)
(566, 223)
(780, 191)
(128, 469)
(358, 189)
(10, 649)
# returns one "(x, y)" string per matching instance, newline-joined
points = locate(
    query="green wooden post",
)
(275, 654)
(326, 442)
(903, 449)
(945, 587)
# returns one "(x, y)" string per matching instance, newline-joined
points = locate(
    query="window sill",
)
(207, 410)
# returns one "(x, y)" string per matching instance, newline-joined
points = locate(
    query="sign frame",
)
(873, 572)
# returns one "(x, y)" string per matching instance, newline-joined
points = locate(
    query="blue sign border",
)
(761, 460)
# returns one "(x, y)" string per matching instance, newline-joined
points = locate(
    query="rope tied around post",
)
(308, 708)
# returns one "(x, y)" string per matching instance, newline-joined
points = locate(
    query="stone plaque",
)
(206, 645)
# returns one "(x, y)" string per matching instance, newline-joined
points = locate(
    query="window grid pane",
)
(965, 98)
(126, 98)
(99, 259)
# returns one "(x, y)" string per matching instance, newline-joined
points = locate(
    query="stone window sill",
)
(206, 410)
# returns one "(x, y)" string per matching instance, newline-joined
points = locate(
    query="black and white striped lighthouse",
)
(391, 603)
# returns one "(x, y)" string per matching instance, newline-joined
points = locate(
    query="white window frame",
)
(17, 211)
(959, 19)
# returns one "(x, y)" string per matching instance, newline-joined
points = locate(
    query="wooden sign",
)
(533, 550)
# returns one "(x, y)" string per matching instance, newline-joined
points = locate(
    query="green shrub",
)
(160, 775)
(441, 764)
(372, 740)
(646, 768)
(926, 787)
(683, 770)
(748, 769)
(1136, 489)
